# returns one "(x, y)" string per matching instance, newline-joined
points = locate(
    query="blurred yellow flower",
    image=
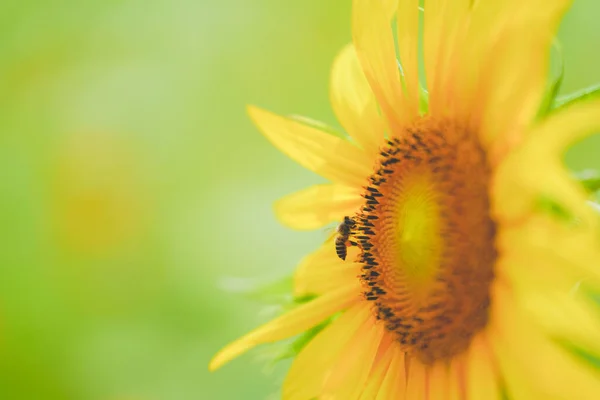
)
(465, 234)
(98, 201)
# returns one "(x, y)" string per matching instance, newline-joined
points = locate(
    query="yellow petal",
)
(457, 379)
(565, 316)
(292, 323)
(351, 371)
(373, 40)
(471, 45)
(555, 249)
(542, 179)
(498, 71)
(310, 368)
(433, 17)
(377, 375)
(563, 128)
(437, 381)
(515, 264)
(408, 46)
(540, 247)
(389, 7)
(318, 205)
(516, 383)
(445, 24)
(354, 103)
(535, 366)
(322, 271)
(483, 381)
(327, 155)
(516, 69)
(416, 385)
(543, 148)
(393, 386)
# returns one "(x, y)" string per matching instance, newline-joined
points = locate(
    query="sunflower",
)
(472, 254)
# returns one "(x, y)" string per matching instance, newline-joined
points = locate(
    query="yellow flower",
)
(471, 251)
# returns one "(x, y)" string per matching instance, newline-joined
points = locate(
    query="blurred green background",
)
(135, 195)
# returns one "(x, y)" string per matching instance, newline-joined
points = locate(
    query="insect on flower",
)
(342, 239)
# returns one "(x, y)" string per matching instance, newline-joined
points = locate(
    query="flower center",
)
(427, 239)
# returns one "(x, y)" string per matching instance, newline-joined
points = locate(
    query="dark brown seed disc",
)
(427, 239)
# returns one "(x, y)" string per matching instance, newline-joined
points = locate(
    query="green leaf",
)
(583, 355)
(295, 347)
(279, 293)
(595, 202)
(554, 85)
(583, 94)
(304, 298)
(292, 348)
(550, 206)
(589, 178)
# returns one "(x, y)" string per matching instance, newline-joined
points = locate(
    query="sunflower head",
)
(427, 238)
(447, 277)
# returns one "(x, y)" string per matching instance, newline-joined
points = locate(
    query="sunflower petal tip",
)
(284, 218)
(281, 211)
(211, 367)
(215, 363)
(252, 110)
(266, 121)
(225, 355)
(257, 114)
(280, 215)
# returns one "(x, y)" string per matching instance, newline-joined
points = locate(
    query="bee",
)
(341, 240)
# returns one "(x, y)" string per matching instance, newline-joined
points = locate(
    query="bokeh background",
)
(135, 196)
